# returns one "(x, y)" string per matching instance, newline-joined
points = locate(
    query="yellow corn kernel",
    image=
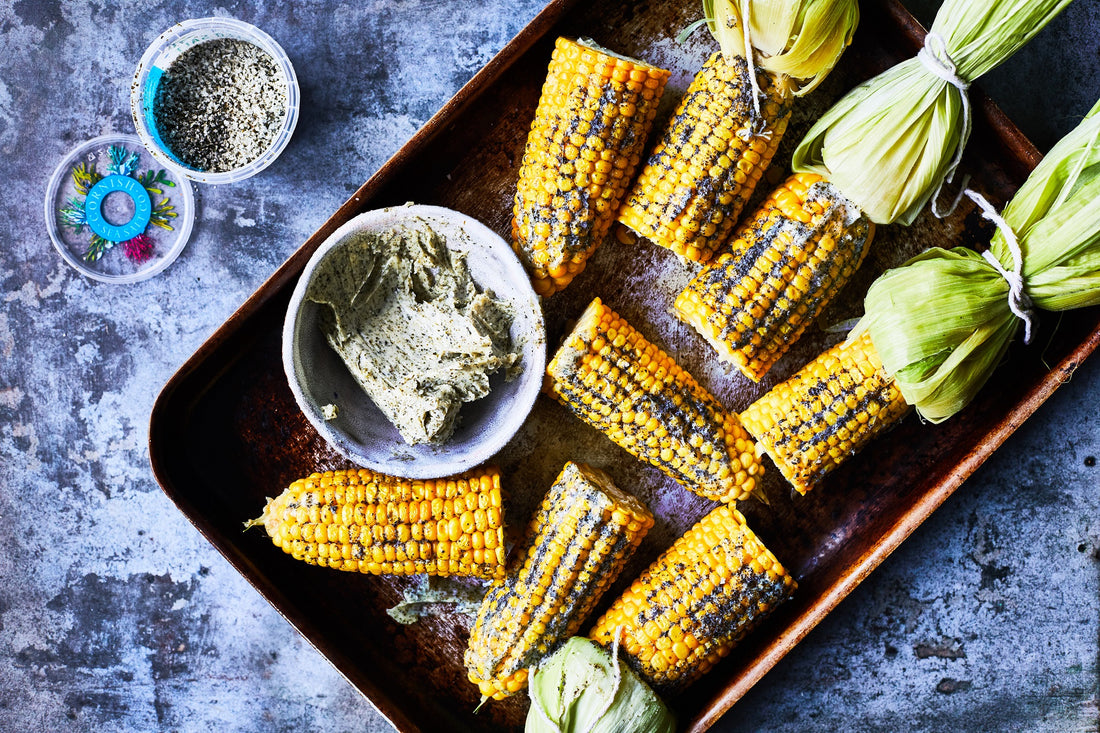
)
(577, 543)
(372, 523)
(651, 407)
(784, 265)
(826, 412)
(563, 210)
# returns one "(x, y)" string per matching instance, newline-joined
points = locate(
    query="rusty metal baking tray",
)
(225, 431)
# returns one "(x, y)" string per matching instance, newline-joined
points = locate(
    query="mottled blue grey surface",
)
(116, 615)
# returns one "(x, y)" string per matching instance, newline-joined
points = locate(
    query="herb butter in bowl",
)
(414, 342)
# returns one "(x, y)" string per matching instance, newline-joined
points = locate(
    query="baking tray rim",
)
(835, 590)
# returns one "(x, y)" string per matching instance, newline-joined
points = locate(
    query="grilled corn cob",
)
(826, 412)
(585, 143)
(577, 543)
(695, 602)
(798, 249)
(699, 176)
(368, 522)
(610, 376)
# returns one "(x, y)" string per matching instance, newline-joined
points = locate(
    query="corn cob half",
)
(363, 521)
(577, 544)
(609, 375)
(826, 412)
(694, 184)
(786, 263)
(585, 143)
(695, 602)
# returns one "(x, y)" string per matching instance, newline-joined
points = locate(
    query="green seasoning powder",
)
(220, 105)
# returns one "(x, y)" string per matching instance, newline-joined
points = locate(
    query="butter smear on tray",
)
(417, 333)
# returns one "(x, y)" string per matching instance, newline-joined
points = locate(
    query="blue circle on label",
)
(93, 208)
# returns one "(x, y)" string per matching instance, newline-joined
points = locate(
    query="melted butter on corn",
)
(826, 412)
(711, 155)
(577, 543)
(695, 602)
(610, 376)
(585, 143)
(785, 264)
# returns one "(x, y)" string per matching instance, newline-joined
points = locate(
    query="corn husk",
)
(941, 323)
(579, 688)
(801, 39)
(432, 594)
(891, 141)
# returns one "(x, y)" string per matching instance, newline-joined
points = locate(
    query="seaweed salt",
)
(220, 105)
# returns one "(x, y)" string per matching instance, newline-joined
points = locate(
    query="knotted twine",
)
(935, 58)
(1018, 301)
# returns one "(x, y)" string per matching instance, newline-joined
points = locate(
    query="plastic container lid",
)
(110, 197)
(166, 49)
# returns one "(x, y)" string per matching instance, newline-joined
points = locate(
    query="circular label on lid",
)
(139, 197)
(114, 213)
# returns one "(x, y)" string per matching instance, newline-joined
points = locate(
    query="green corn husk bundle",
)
(582, 688)
(801, 39)
(890, 142)
(941, 323)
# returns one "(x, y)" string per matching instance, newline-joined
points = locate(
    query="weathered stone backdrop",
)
(116, 615)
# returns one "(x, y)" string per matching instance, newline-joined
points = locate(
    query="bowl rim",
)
(233, 28)
(426, 465)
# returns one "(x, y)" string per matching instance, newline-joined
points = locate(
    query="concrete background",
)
(115, 615)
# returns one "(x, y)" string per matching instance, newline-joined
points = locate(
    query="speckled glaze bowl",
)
(360, 432)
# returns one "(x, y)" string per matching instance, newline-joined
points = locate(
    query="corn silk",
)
(891, 142)
(941, 323)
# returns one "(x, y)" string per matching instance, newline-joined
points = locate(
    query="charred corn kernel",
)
(585, 143)
(609, 375)
(372, 523)
(711, 155)
(826, 412)
(577, 543)
(673, 626)
(785, 264)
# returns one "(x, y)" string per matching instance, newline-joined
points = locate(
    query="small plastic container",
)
(118, 205)
(166, 49)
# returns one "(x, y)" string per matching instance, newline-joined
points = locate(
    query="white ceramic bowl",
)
(360, 431)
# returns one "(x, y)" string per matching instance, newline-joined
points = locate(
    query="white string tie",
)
(749, 57)
(1018, 301)
(935, 59)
